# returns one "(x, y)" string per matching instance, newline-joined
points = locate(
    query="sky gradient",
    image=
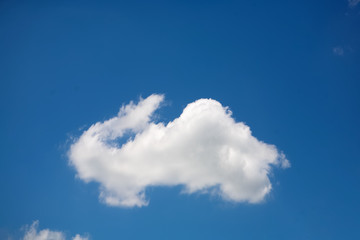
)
(289, 70)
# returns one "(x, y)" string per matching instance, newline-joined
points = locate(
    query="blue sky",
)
(289, 70)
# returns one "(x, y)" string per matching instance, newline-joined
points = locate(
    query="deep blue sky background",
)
(67, 64)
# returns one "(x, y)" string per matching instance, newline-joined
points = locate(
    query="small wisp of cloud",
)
(338, 51)
(353, 3)
(32, 233)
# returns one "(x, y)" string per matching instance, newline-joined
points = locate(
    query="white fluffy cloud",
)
(32, 233)
(204, 150)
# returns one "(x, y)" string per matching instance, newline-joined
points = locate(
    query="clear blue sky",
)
(289, 69)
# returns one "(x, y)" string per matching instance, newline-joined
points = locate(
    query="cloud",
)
(32, 233)
(353, 3)
(78, 237)
(339, 51)
(204, 150)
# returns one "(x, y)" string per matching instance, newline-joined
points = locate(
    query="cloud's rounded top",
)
(204, 150)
